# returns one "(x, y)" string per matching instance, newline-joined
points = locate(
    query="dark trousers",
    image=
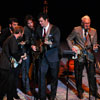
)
(25, 73)
(8, 83)
(53, 68)
(90, 68)
(3, 83)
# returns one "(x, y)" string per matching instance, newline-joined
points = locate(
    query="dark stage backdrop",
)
(64, 13)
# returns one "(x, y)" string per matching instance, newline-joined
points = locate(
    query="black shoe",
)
(80, 95)
(97, 95)
(16, 97)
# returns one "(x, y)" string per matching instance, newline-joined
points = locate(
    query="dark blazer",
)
(77, 36)
(29, 35)
(52, 54)
(10, 48)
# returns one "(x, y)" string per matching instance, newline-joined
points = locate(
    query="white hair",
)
(85, 17)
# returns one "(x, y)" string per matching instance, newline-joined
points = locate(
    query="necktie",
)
(86, 39)
(44, 33)
(85, 35)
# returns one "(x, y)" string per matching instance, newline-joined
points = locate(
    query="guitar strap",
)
(48, 31)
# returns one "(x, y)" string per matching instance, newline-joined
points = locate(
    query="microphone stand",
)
(68, 54)
(34, 75)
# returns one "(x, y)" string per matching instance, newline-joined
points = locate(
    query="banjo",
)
(88, 53)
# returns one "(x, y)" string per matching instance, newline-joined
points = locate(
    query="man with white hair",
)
(85, 39)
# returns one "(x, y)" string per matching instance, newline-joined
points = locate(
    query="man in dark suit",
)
(8, 75)
(83, 41)
(50, 38)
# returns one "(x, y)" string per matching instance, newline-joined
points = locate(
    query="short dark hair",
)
(13, 20)
(28, 17)
(43, 15)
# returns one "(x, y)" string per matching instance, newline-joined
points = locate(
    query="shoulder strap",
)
(49, 29)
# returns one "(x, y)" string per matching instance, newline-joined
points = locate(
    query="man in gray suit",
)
(83, 41)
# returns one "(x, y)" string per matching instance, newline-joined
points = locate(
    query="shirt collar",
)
(46, 28)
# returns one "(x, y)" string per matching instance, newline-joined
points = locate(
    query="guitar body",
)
(70, 63)
(41, 48)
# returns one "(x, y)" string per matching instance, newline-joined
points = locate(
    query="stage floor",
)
(66, 89)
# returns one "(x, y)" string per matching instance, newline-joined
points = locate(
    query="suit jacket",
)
(77, 36)
(29, 35)
(52, 54)
(10, 48)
